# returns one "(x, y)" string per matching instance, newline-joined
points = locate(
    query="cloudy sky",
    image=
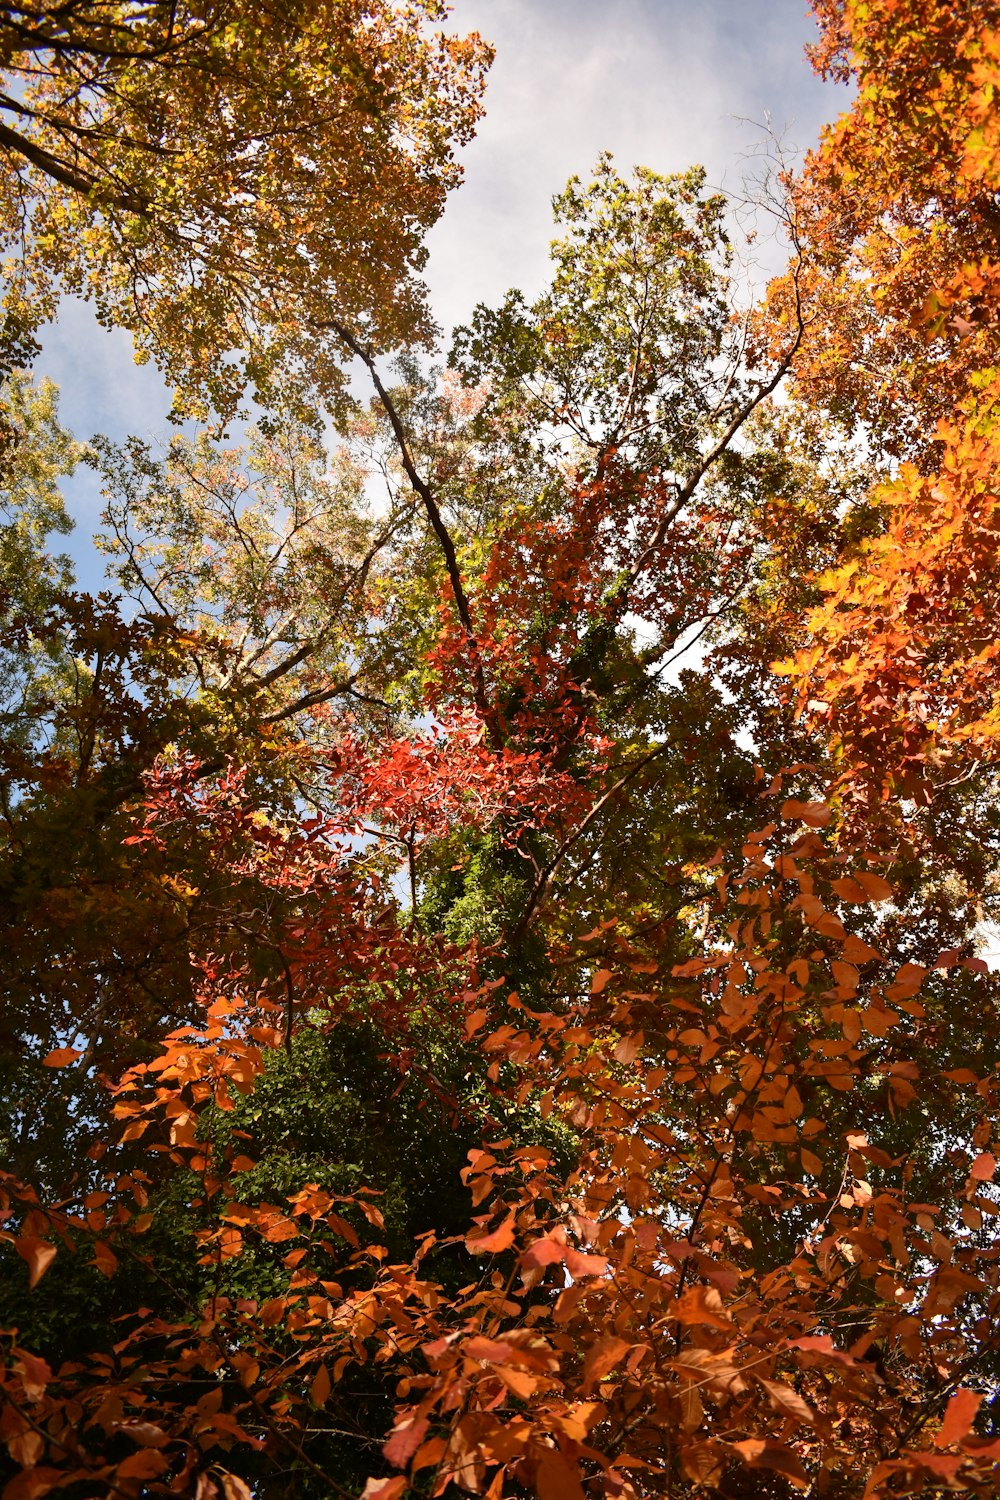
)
(663, 83)
(660, 83)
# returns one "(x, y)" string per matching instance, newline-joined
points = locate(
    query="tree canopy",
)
(491, 896)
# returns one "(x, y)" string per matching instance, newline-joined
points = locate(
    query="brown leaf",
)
(702, 1462)
(35, 1375)
(629, 1047)
(144, 1434)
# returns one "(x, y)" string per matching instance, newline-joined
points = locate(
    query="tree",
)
(401, 842)
(219, 178)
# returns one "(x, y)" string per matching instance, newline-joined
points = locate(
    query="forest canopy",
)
(493, 891)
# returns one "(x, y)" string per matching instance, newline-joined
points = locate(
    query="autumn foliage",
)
(493, 988)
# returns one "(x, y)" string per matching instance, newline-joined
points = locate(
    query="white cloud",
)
(664, 83)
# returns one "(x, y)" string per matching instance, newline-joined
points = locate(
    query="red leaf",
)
(404, 1440)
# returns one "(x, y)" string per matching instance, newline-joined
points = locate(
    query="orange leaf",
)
(906, 983)
(39, 1255)
(385, 1489)
(105, 1258)
(857, 952)
(984, 1167)
(145, 1464)
(31, 1483)
(235, 1488)
(877, 888)
(579, 1265)
(491, 1242)
(493, 1351)
(26, 1448)
(702, 1304)
(523, 1384)
(788, 1402)
(814, 814)
(61, 1057)
(850, 890)
(602, 1357)
(958, 1417)
(320, 1389)
(760, 1455)
(555, 1479)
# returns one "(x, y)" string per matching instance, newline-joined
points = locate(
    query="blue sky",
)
(664, 83)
